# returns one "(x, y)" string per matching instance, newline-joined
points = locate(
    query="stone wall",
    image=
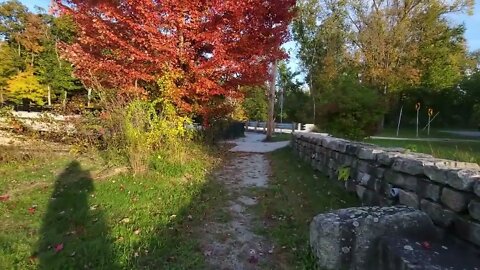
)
(448, 191)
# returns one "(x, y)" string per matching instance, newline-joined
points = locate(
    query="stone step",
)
(397, 253)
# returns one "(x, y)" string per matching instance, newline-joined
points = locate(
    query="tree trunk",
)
(271, 104)
(49, 97)
(65, 100)
(89, 97)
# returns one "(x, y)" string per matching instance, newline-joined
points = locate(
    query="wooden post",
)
(271, 103)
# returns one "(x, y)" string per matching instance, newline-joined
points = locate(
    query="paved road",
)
(424, 139)
(466, 133)
(253, 143)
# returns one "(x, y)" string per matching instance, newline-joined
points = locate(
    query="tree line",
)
(31, 67)
(366, 59)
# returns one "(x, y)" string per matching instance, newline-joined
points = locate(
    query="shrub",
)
(349, 109)
(151, 126)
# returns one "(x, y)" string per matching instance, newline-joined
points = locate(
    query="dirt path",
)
(234, 244)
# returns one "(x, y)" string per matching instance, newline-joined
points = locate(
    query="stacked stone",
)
(448, 191)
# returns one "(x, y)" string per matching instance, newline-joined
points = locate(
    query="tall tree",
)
(293, 101)
(25, 87)
(32, 37)
(13, 16)
(390, 45)
(255, 103)
(212, 46)
(7, 67)
(54, 71)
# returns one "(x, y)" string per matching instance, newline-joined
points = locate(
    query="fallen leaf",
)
(58, 247)
(4, 198)
(33, 258)
(426, 245)
(253, 259)
(32, 210)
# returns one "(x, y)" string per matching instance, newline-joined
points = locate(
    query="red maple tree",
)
(215, 45)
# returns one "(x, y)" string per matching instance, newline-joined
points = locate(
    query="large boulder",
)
(349, 238)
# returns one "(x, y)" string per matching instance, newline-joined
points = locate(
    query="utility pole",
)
(271, 103)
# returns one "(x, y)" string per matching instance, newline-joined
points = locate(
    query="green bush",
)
(134, 131)
(349, 109)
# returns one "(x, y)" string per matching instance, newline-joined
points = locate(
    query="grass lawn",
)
(295, 195)
(65, 212)
(281, 137)
(412, 133)
(459, 151)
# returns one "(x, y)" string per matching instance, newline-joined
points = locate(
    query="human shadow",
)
(74, 234)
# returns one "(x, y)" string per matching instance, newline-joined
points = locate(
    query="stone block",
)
(426, 189)
(363, 166)
(455, 200)
(360, 191)
(379, 186)
(436, 173)
(409, 199)
(474, 209)
(386, 158)
(401, 180)
(341, 146)
(406, 253)
(363, 178)
(379, 172)
(367, 153)
(476, 188)
(463, 179)
(467, 230)
(370, 198)
(409, 165)
(439, 215)
(351, 149)
(347, 238)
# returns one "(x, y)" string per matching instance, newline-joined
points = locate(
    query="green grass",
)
(459, 151)
(412, 133)
(116, 222)
(281, 137)
(295, 195)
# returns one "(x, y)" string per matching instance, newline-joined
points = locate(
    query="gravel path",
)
(235, 244)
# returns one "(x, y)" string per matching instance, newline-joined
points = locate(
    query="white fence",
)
(280, 127)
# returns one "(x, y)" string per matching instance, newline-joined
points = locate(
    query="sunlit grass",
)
(62, 214)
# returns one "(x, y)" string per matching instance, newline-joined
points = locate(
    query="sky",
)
(472, 24)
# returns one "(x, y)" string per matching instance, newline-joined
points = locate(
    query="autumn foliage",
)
(211, 46)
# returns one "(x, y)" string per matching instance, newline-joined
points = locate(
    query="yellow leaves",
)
(25, 85)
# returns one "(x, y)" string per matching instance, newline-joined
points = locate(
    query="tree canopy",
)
(211, 46)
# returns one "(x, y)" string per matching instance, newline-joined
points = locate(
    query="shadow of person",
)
(73, 233)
